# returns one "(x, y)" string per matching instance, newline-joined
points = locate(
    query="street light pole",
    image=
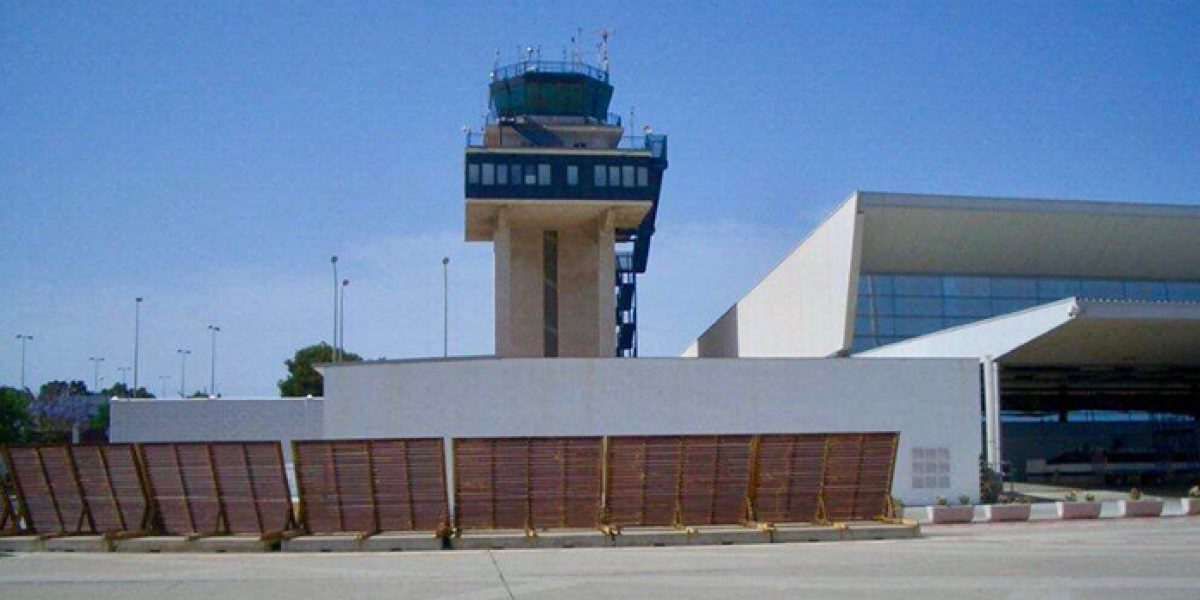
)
(124, 371)
(24, 338)
(445, 307)
(96, 360)
(183, 354)
(137, 331)
(342, 320)
(212, 384)
(333, 261)
(164, 379)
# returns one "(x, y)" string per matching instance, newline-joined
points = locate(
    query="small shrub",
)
(1194, 492)
(964, 499)
(1071, 496)
(941, 501)
(1135, 494)
(1089, 497)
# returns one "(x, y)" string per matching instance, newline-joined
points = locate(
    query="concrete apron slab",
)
(508, 539)
(175, 543)
(21, 543)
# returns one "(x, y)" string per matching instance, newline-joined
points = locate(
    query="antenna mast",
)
(604, 35)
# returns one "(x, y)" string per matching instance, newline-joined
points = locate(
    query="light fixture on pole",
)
(137, 330)
(342, 321)
(212, 384)
(24, 338)
(96, 360)
(183, 354)
(333, 261)
(124, 371)
(445, 306)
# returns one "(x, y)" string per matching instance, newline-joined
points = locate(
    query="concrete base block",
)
(231, 544)
(805, 533)
(493, 540)
(880, 531)
(153, 543)
(726, 536)
(21, 543)
(650, 536)
(583, 538)
(402, 541)
(77, 543)
(323, 543)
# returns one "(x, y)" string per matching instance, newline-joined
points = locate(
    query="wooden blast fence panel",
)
(679, 479)
(530, 483)
(76, 489)
(824, 477)
(371, 485)
(219, 487)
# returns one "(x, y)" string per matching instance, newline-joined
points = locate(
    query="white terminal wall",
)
(224, 419)
(933, 403)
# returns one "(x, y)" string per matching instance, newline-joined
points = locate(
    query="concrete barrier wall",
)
(932, 403)
(225, 419)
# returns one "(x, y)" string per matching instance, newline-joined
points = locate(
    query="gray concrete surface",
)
(1105, 559)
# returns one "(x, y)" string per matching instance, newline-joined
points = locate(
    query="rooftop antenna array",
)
(576, 55)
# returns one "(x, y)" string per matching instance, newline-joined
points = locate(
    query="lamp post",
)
(183, 354)
(164, 379)
(137, 330)
(124, 371)
(24, 338)
(342, 320)
(96, 360)
(212, 384)
(333, 261)
(445, 306)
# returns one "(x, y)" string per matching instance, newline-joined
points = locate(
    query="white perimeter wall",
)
(224, 419)
(933, 403)
(802, 308)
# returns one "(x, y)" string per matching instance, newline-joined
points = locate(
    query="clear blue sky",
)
(211, 156)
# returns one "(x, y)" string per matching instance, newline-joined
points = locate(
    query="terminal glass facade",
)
(897, 307)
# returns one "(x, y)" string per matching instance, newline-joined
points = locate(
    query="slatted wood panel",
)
(790, 470)
(8, 514)
(113, 487)
(538, 482)
(218, 487)
(371, 485)
(858, 476)
(79, 489)
(678, 480)
(824, 477)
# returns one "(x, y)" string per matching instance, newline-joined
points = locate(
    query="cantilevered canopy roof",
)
(912, 233)
(1070, 332)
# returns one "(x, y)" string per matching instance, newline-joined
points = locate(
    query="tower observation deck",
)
(569, 201)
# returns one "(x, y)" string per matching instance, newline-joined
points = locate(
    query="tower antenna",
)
(605, 33)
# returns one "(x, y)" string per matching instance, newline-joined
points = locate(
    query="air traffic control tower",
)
(569, 202)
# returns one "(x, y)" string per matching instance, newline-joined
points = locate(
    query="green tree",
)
(99, 419)
(17, 424)
(303, 379)
(121, 390)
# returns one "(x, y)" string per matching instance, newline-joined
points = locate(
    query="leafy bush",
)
(1194, 492)
(941, 501)
(1135, 494)
(964, 499)
(1071, 496)
(1089, 497)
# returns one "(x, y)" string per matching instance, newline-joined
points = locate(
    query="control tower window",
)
(489, 174)
(530, 176)
(627, 175)
(473, 174)
(572, 175)
(601, 176)
(501, 174)
(543, 174)
(614, 176)
(516, 174)
(643, 176)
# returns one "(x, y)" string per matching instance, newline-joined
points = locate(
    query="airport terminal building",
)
(1085, 317)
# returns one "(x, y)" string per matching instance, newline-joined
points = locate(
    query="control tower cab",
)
(569, 202)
